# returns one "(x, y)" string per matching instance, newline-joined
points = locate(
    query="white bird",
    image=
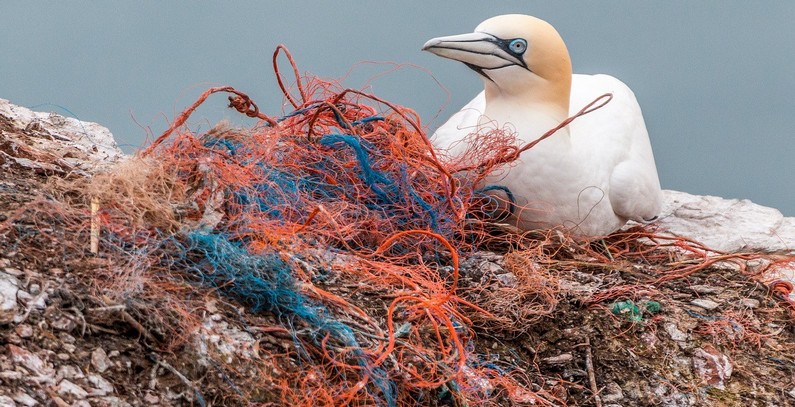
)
(590, 177)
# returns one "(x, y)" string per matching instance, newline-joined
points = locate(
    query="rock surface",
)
(51, 143)
(727, 225)
(731, 226)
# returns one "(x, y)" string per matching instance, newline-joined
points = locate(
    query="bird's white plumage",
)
(590, 177)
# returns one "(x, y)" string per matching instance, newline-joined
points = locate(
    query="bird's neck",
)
(536, 112)
(551, 96)
(544, 86)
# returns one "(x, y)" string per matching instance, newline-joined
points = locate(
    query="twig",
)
(118, 307)
(175, 372)
(97, 328)
(137, 325)
(94, 225)
(33, 302)
(122, 310)
(82, 320)
(591, 374)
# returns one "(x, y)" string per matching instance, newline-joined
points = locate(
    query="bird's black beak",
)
(479, 51)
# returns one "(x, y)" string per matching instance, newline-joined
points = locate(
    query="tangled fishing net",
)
(339, 230)
(345, 187)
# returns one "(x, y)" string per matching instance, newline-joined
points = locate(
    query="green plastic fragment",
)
(652, 307)
(633, 312)
(628, 309)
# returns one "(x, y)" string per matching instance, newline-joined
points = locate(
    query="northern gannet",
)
(590, 177)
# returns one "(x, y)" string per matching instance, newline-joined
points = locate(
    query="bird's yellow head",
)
(517, 55)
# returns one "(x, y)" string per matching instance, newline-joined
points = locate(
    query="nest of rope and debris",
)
(329, 257)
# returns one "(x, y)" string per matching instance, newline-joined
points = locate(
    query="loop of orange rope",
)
(289, 56)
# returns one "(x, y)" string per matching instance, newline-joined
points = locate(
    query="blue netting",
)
(288, 193)
(265, 282)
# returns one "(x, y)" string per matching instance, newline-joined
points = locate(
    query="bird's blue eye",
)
(518, 46)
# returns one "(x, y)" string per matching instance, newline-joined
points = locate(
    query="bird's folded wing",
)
(617, 134)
